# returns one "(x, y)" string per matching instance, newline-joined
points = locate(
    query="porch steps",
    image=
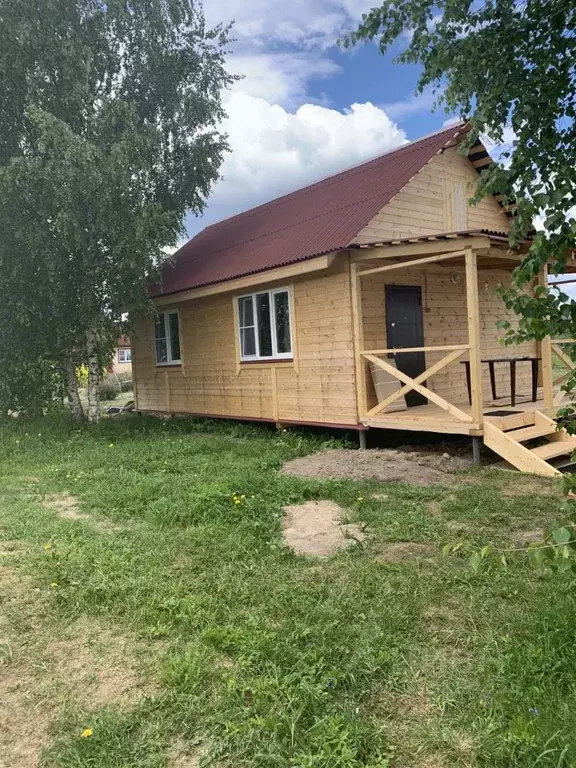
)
(510, 437)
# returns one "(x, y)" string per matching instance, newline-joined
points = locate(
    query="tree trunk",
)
(72, 391)
(94, 378)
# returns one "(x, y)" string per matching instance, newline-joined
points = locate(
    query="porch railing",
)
(455, 351)
(567, 361)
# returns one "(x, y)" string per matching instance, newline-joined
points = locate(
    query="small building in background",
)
(122, 358)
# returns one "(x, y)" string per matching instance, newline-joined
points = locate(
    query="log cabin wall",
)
(436, 200)
(318, 386)
(445, 322)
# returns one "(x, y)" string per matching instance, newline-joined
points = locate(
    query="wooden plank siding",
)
(446, 322)
(319, 386)
(434, 201)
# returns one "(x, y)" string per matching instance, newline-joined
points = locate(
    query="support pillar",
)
(362, 442)
(476, 443)
(546, 355)
(473, 311)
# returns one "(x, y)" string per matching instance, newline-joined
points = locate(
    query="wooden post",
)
(546, 355)
(474, 337)
(358, 340)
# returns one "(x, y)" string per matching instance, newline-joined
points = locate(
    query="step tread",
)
(530, 433)
(556, 448)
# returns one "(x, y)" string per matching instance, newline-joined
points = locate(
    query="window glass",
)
(124, 356)
(246, 311)
(247, 330)
(248, 342)
(264, 327)
(160, 333)
(282, 317)
(173, 324)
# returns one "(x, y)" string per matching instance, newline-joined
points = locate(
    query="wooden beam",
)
(386, 251)
(416, 386)
(245, 283)
(473, 312)
(562, 282)
(546, 354)
(413, 263)
(561, 355)
(358, 340)
(446, 348)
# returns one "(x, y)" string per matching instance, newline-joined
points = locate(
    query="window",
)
(167, 338)
(124, 355)
(264, 325)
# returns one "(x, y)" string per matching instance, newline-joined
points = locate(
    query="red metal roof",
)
(323, 217)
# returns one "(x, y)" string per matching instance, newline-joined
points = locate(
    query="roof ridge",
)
(357, 166)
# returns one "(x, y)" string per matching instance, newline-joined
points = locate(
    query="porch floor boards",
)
(431, 418)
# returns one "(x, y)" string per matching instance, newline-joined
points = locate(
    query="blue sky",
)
(305, 108)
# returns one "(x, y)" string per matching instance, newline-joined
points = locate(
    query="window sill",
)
(169, 365)
(278, 361)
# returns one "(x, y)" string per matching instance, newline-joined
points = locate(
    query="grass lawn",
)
(147, 620)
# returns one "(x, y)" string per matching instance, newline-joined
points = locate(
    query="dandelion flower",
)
(111, 445)
(86, 733)
(48, 546)
(54, 584)
(360, 498)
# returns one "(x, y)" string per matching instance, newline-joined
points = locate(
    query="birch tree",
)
(109, 117)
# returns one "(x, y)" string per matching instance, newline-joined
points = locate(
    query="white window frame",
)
(169, 359)
(123, 351)
(275, 354)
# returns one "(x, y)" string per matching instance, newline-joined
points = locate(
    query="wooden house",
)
(367, 300)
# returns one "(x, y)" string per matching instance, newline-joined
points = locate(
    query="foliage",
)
(108, 135)
(82, 376)
(109, 387)
(264, 658)
(508, 68)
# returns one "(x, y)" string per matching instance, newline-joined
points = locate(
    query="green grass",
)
(265, 658)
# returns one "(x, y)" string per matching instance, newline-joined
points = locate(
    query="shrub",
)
(109, 388)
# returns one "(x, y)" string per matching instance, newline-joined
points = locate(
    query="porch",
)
(432, 418)
(448, 386)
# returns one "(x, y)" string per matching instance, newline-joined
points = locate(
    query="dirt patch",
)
(65, 505)
(181, 756)
(435, 508)
(316, 528)
(89, 665)
(406, 551)
(521, 484)
(101, 663)
(391, 466)
(530, 536)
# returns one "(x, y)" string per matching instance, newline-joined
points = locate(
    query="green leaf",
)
(561, 535)
(475, 562)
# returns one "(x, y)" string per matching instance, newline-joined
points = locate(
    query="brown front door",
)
(405, 328)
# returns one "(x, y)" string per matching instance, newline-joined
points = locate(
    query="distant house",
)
(364, 301)
(122, 359)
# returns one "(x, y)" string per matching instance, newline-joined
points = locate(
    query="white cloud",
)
(417, 102)
(278, 77)
(310, 24)
(275, 151)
